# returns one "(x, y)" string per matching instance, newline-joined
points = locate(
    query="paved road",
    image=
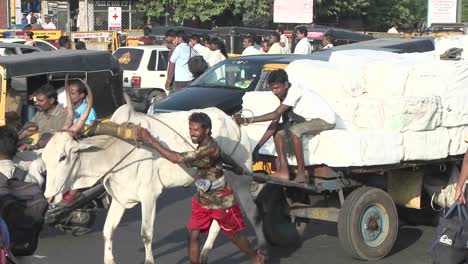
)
(320, 244)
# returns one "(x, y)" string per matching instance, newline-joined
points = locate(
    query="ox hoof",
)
(109, 261)
(149, 261)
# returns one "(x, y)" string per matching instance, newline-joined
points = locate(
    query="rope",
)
(246, 120)
(173, 130)
(120, 161)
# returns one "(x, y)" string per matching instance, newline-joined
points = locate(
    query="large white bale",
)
(322, 77)
(426, 145)
(457, 143)
(455, 109)
(396, 113)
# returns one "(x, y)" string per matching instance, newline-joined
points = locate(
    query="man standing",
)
(48, 24)
(178, 64)
(64, 42)
(249, 48)
(198, 48)
(24, 20)
(214, 199)
(49, 119)
(284, 41)
(275, 44)
(327, 41)
(303, 46)
(146, 39)
(309, 112)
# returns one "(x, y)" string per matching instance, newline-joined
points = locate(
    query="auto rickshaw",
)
(21, 75)
(232, 37)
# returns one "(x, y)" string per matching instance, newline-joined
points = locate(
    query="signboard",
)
(90, 35)
(115, 18)
(441, 11)
(44, 34)
(104, 5)
(293, 11)
(47, 34)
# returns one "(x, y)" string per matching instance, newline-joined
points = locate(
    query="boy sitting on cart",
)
(302, 111)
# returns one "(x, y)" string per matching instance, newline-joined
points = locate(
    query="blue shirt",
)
(80, 110)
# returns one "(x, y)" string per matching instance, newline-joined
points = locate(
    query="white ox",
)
(144, 174)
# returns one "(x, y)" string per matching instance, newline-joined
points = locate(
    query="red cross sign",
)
(114, 18)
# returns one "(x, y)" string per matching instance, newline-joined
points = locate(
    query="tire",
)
(368, 224)
(278, 226)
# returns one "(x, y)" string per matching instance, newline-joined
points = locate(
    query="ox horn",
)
(70, 113)
(76, 128)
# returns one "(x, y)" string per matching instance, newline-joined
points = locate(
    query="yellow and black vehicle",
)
(21, 75)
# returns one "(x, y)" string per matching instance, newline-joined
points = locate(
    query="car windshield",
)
(129, 58)
(238, 74)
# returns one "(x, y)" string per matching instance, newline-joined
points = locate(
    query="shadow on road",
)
(407, 236)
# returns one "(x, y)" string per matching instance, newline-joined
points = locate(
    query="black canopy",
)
(68, 61)
(161, 30)
(236, 31)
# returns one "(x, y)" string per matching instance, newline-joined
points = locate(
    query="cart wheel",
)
(368, 224)
(279, 228)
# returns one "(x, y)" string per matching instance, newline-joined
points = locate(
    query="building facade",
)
(4, 14)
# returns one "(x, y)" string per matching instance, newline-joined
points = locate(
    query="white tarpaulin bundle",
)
(389, 108)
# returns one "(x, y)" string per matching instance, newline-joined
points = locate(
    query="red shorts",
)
(230, 220)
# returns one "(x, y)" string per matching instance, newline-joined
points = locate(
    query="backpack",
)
(6, 257)
(450, 243)
(22, 206)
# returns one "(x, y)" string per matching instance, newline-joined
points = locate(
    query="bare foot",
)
(259, 259)
(301, 178)
(281, 175)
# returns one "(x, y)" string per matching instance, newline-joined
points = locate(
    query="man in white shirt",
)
(249, 48)
(199, 49)
(178, 64)
(48, 24)
(310, 114)
(303, 46)
(284, 41)
(327, 41)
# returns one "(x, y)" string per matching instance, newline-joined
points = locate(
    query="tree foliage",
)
(341, 8)
(382, 14)
(377, 14)
(204, 10)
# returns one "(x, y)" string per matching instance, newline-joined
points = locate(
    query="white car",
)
(144, 73)
(41, 44)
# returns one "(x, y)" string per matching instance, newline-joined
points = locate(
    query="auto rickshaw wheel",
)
(368, 223)
(279, 228)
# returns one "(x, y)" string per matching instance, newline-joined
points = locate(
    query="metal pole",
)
(11, 12)
(459, 11)
(86, 17)
(129, 15)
